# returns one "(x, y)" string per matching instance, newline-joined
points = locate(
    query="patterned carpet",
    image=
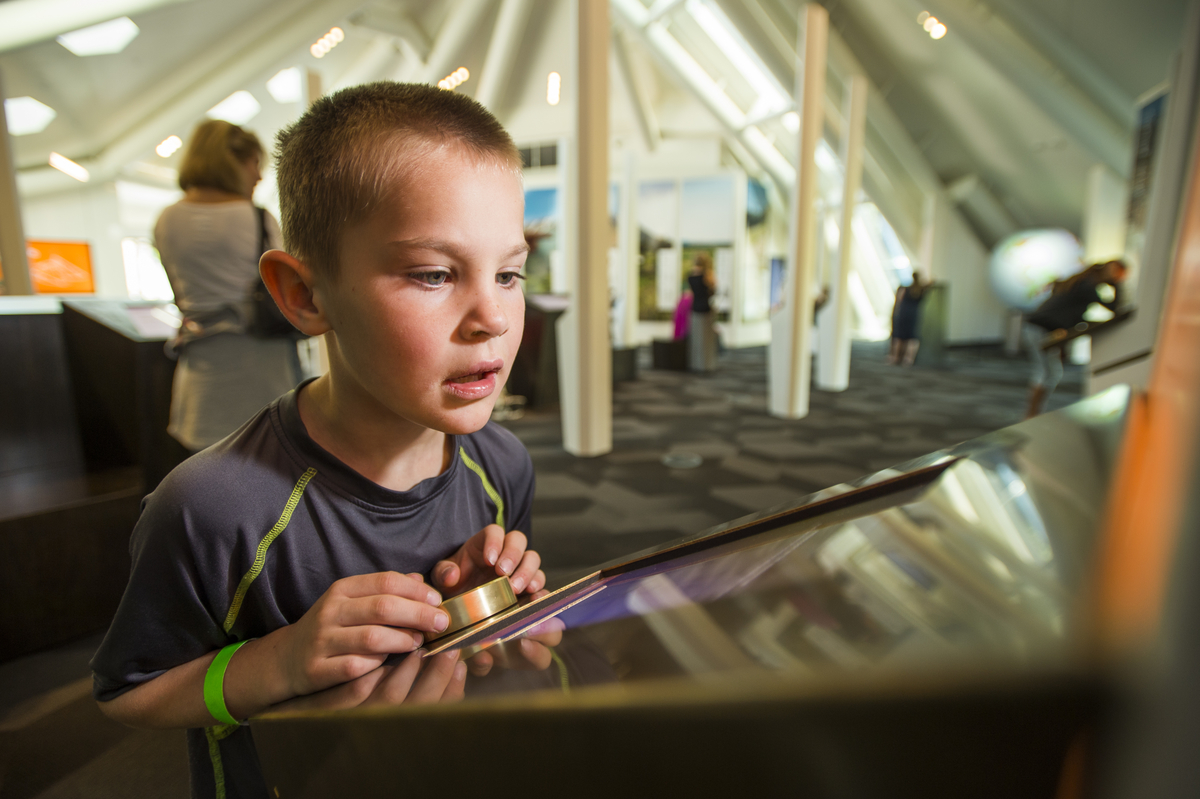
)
(590, 510)
(55, 744)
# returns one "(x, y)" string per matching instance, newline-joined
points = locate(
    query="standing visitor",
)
(210, 243)
(905, 315)
(702, 337)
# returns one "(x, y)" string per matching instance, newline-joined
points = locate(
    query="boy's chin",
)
(465, 421)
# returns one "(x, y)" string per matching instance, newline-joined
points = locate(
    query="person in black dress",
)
(905, 316)
(702, 338)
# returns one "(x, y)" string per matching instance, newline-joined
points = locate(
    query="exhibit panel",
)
(957, 578)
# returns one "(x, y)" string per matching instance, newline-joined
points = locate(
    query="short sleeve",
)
(165, 618)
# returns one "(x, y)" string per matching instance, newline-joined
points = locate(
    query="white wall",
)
(89, 214)
(961, 262)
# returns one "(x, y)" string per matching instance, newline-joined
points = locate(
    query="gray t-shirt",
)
(242, 538)
(210, 252)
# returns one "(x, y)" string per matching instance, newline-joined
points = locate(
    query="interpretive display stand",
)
(913, 634)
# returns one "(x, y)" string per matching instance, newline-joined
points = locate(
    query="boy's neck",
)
(372, 441)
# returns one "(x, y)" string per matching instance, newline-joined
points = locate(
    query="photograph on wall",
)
(541, 232)
(658, 225)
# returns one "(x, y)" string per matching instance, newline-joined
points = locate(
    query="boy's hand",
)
(414, 680)
(530, 652)
(355, 625)
(489, 554)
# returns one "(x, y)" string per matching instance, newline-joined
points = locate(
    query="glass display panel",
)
(974, 555)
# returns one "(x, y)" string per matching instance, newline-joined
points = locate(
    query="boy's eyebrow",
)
(448, 248)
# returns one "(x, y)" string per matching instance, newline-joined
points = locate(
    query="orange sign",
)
(60, 267)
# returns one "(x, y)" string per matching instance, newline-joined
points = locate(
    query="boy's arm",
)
(347, 634)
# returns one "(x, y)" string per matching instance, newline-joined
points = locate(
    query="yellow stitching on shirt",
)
(487, 486)
(260, 557)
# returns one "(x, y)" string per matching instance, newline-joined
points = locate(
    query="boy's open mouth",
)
(476, 384)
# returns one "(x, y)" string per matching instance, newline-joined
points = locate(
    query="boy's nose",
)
(487, 318)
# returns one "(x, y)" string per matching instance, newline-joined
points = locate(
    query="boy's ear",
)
(292, 285)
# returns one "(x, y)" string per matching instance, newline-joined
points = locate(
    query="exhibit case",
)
(922, 632)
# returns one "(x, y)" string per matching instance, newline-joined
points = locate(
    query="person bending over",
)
(1057, 316)
(321, 536)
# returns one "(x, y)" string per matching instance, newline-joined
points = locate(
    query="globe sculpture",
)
(1025, 264)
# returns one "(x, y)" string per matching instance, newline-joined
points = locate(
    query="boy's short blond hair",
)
(352, 148)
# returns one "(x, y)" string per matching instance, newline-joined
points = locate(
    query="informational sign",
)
(60, 267)
(669, 280)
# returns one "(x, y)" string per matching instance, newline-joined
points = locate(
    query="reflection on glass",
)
(982, 566)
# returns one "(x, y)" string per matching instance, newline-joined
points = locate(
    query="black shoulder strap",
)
(262, 229)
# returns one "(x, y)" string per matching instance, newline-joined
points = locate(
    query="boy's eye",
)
(509, 278)
(431, 277)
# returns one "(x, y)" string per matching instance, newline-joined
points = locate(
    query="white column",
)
(790, 363)
(12, 232)
(833, 361)
(629, 236)
(1104, 210)
(584, 350)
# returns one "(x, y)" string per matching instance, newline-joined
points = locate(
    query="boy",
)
(305, 535)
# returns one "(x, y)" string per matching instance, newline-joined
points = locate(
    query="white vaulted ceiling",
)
(1024, 95)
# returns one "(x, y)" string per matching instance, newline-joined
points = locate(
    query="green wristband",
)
(214, 684)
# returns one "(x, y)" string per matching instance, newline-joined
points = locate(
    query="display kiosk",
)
(918, 633)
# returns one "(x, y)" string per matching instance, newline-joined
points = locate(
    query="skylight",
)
(238, 108)
(286, 86)
(26, 115)
(771, 96)
(103, 39)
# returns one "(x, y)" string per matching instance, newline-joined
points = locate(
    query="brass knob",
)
(476, 605)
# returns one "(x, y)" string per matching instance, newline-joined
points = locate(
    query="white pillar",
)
(12, 232)
(790, 364)
(629, 236)
(1104, 215)
(833, 361)
(584, 351)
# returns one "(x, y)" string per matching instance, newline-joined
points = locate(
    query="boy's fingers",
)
(391, 611)
(457, 685)
(491, 542)
(481, 664)
(526, 571)
(446, 574)
(537, 654)
(514, 550)
(436, 674)
(537, 582)
(377, 639)
(395, 687)
(393, 583)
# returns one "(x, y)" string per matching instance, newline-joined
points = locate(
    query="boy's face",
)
(427, 309)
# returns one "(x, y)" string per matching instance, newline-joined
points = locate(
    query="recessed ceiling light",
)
(553, 88)
(238, 108)
(286, 86)
(791, 121)
(26, 115)
(103, 39)
(69, 167)
(454, 79)
(168, 146)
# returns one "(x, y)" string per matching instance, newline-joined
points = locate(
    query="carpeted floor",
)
(590, 510)
(55, 744)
